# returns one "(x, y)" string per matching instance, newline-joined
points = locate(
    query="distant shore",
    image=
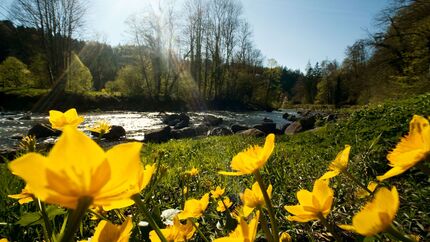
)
(18, 100)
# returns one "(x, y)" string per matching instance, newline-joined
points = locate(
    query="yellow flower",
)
(252, 159)
(226, 201)
(411, 149)
(4, 240)
(59, 120)
(101, 127)
(77, 167)
(377, 214)
(108, 232)
(25, 196)
(193, 172)
(313, 204)
(194, 208)
(243, 232)
(254, 197)
(339, 164)
(361, 193)
(217, 192)
(177, 232)
(285, 237)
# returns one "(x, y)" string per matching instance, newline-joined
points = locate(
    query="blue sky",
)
(293, 32)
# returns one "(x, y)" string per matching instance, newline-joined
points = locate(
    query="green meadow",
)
(297, 161)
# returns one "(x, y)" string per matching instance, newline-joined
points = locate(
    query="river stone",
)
(116, 132)
(212, 120)
(220, 131)
(266, 127)
(293, 128)
(182, 124)
(267, 120)
(158, 135)
(236, 128)
(308, 121)
(43, 131)
(174, 119)
(252, 132)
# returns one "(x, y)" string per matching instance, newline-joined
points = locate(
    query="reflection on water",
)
(13, 125)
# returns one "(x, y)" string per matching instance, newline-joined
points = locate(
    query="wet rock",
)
(308, 121)
(266, 127)
(116, 132)
(267, 120)
(212, 120)
(289, 117)
(7, 154)
(174, 119)
(189, 132)
(158, 135)
(182, 124)
(237, 128)
(17, 136)
(293, 128)
(25, 117)
(43, 131)
(252, 132)
(220, 131)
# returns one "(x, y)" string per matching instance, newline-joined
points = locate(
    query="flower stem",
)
(329, 227)
(357, 181)
(147, 214)
(268, 205)
(47, 226)
(264, 225)
(198, 230)
(397, 234)
(75, 218)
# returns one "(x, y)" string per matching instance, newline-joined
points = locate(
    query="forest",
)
(208, 54)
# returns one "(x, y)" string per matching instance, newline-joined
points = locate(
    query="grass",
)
(296, 162)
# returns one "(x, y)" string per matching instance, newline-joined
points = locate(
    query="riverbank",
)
(296, 162)
(26, 99)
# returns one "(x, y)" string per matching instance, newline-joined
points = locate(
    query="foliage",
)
(79, 76)
(14, 73)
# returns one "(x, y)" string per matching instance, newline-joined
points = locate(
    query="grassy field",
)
(296, 163)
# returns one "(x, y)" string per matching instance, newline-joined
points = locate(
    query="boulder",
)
(211, 120)
(237, 128)
(289, 117)
(293, 128)
(252, 132)
(189, 132)
(308, 121)
(7, 155)
(116, 132)
(158, 135)
(182, 124)
(174, 119)
(220, 131)
(43, 131)
(266, 127)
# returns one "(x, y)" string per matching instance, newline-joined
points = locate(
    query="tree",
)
(80, 78)
(14, 73)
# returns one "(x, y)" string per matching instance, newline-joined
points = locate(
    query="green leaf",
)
(53, 211)
(369, 239)
(29, 219)
(34, 218)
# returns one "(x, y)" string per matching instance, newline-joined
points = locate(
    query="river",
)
(13, 126)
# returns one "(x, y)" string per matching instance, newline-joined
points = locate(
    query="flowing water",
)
(13, 126)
